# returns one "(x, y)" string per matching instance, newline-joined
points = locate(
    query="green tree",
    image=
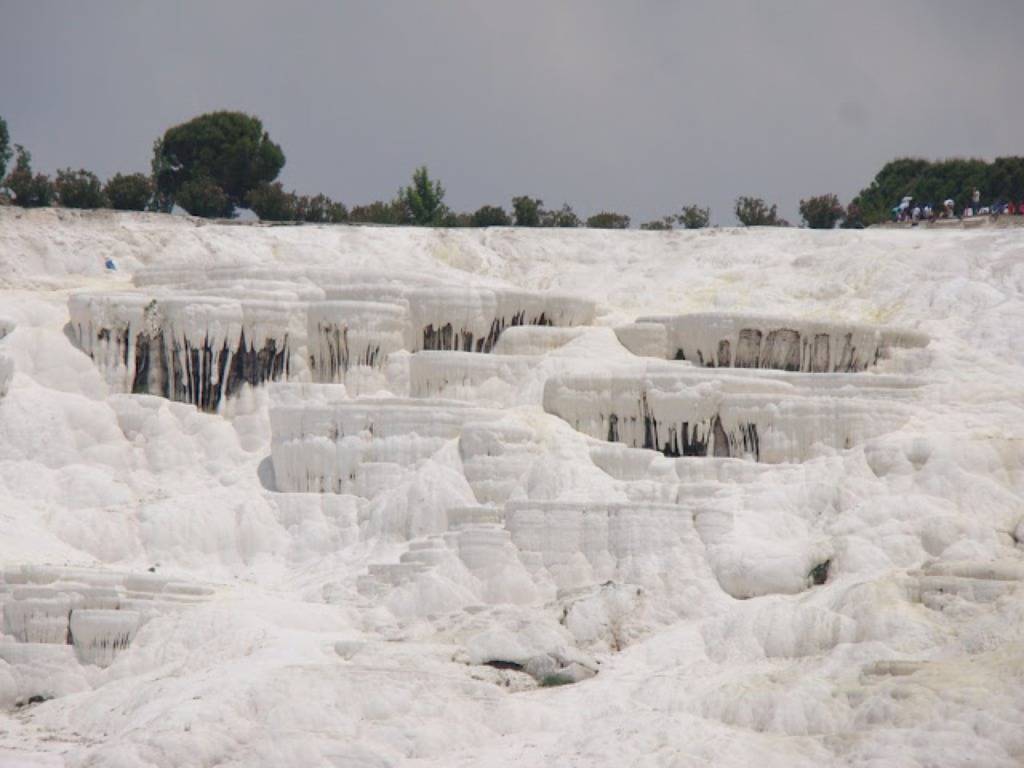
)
(694, 217)
(319, 209)
(30, 191)
(955, 178)
(379, 212)
(271, 203)
(336, 213)
(563, 217)
(527, 211)
(202, 196)
(425, 199)
(453, 219)
(754, 212)
(229, 150)
(163, 201)
(5, 147)
(896, 180)
(1006, 179)
(491, 216)
(79, 189)
(608, 220)
(853, 218)
(662, 224)
(128, 192)
(821, 211)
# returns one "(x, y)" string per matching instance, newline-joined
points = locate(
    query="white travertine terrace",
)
(459, 375)
(58, 618)
(406, 539)
(691, 412)
(99, 634)
(762, 341)
(327, 448)
(698, 422)
(471, 319)
(346, 337)
(576, 544)
(536, 339)
(202, 338)
(196, 349)
(496, 456)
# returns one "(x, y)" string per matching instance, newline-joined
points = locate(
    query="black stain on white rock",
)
(785, 344)
(451, 339)
(200, 372)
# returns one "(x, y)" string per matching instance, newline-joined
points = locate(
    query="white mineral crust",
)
(383, 496)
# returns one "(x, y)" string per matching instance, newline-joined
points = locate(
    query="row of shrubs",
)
(420, 203)
(270, 202)
(218, 162)
(75, 189)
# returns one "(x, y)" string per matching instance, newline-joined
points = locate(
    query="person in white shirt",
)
(905, 208)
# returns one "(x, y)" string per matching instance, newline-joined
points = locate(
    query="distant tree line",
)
(219, 162)
(72, 188)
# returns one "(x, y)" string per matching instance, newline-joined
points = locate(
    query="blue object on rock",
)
(110, 264)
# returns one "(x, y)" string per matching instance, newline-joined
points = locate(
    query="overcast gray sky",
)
(636, 107)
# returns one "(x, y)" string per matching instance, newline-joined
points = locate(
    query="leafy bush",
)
(694, 217)
(1005, 180)
(853, 218)
(452, 219)
(608, 220)
(664, 223)
(563, 217)
(754, 212)
(128, 192)
(889, 186)
(227, 150)
(320, 209)
(491, 216)
(337, 213)
(821, 211)
(425, 199)
(79, 189)
(379, 212)
(30, 191)
(527, 211)
(5, 147)
(202, 196)
(271, 203)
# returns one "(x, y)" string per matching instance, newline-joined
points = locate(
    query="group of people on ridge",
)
(913, 211)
